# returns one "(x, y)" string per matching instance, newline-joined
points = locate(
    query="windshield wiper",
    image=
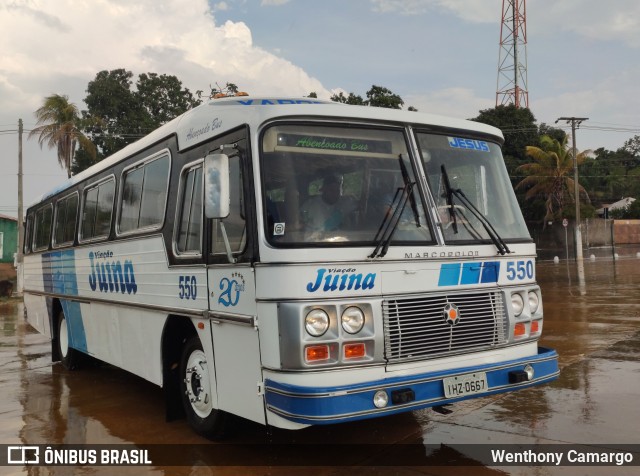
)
(449, 196)
(491, 231)
(412, 197)
(391, 220)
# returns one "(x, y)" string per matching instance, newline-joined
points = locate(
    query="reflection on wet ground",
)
(593, 323)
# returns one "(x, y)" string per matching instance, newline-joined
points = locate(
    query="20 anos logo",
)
(231, 288)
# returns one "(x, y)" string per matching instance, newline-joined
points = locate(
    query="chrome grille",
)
(415, 328)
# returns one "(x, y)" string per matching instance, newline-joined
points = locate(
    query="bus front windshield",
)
(471, 187)
(340, 185)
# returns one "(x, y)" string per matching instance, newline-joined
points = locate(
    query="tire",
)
(69, 357)
(195, 389)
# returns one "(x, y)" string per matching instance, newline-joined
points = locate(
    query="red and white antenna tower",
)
(512, 62)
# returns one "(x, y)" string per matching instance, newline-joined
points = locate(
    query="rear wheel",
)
(69, 357)
(195, 386)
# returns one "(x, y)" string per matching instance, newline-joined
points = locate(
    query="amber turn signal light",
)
(354, 350)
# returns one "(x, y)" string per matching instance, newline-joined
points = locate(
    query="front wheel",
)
(195, 386)
(69, 357)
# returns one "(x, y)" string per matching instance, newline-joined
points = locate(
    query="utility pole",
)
(575, 123)
(19, 258)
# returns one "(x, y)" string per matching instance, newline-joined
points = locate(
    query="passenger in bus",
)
(330, 210)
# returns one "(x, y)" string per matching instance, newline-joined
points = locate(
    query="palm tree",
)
(550, 174)
(59, 126)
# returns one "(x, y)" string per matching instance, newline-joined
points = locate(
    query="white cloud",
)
(45, 40)
(58, 47)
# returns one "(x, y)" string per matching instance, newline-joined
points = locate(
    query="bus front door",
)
(236, 348)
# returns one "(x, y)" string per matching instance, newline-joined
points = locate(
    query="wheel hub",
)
(197, 384)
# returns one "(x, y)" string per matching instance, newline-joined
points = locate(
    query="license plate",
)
(467, 384)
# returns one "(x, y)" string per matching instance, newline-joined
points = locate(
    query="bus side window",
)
(189, 232)
(144, 194)
(65, 220)
(235, 224)
(42, 232)
(97, 207)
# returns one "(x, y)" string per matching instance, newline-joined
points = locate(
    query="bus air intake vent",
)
(430, 326)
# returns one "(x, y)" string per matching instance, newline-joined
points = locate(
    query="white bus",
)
(294, 262)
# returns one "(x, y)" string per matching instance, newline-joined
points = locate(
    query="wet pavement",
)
(592, 318)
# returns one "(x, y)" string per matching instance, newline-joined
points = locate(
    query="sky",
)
(440, 56)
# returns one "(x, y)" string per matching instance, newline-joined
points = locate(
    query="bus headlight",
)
(380, 399)
(352, 320)
(517, 303)
(534, 301)
(317, 322)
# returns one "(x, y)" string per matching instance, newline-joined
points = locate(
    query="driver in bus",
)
(328, 211)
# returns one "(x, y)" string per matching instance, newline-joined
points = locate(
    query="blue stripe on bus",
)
(324, 405)
(77, 336)
(457, 274)
(470, 273)
(59, 273)
(449, 274)
(490, 272)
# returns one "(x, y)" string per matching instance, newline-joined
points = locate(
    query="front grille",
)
(415, 327)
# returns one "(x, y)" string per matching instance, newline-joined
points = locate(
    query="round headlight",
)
(534, 301)
(352, 320)
(380, 399)
(517, 303)
(317, 322)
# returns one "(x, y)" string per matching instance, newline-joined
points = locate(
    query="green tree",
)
(59, 126)
(110, 98)
(633, 147)
(611, 175)
(352, 99)
(163, 98)
(118, 114)
(377, 96)
(550, 175)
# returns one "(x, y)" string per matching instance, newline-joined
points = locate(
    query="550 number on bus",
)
(520, 270)
(187, 287)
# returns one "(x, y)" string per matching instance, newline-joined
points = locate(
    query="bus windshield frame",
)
(339, 185)
(332, 185)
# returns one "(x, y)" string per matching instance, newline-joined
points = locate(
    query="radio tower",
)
(512, 62)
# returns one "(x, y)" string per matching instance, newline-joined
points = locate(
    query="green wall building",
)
(8, 238)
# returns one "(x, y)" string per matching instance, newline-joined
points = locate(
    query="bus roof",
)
(220, 115)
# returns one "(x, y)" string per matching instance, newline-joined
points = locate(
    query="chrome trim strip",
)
(227, 317)
(170, 310)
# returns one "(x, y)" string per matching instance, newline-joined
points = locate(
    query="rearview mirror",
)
(216, 186)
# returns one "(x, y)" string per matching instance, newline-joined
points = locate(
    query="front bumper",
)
(326, 405)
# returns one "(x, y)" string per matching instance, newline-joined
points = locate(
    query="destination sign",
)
(338, 144)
